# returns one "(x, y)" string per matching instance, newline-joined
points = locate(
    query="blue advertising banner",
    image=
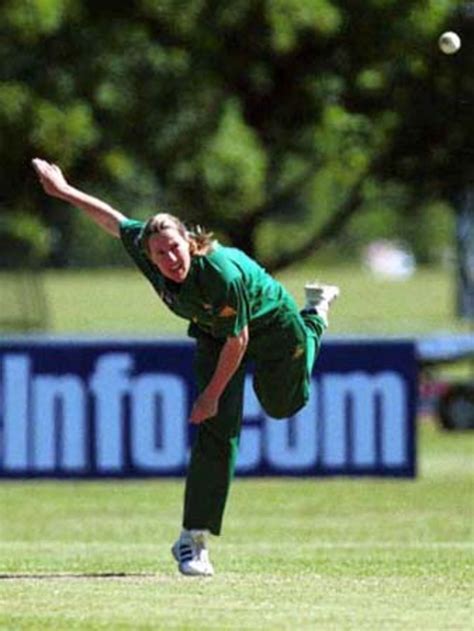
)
(110, 408)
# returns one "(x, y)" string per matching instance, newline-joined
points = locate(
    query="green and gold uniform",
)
(223, 292)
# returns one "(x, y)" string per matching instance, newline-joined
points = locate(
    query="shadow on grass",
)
(78, 575)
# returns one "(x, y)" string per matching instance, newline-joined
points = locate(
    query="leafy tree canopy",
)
(271, 121)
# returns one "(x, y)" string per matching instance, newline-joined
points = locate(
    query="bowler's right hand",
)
(51, 177)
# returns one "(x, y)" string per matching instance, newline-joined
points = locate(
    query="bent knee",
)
(286, 409)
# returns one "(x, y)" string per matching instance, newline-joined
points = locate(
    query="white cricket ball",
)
(449, 42)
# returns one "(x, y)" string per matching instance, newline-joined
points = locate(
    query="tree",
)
(272, 121)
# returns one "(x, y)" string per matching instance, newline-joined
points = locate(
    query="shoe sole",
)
(329, 293)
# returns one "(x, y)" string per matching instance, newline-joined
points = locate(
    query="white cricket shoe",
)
(319, 298)
(191, 553)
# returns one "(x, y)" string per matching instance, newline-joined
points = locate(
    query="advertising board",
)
(111, 408)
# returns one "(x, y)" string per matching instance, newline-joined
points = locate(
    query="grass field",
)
(333, 554)
(113, 301)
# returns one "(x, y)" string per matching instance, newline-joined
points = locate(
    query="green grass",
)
(122, 302)
(336, 554)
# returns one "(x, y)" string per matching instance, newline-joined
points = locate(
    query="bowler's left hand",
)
(204, 407)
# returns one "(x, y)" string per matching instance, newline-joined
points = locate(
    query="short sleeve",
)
(231, 310)
(129, 232)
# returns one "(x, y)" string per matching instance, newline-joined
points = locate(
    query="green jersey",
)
(224, 291)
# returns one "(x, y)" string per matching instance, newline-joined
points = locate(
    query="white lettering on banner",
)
(158, 403)
(15, 380)
(43, 424)
(110, 383)
(353, 420)
(57, 399)
(395, 424)
(355, 396)
(293, 445)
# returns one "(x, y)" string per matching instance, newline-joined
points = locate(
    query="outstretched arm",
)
(55, 184)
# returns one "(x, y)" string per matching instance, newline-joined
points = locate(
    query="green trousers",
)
(283, 353)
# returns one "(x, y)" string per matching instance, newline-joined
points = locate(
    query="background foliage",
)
(282, 124)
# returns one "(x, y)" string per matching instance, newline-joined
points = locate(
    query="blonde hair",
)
(201, 242)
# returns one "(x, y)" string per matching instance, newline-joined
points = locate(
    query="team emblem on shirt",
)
(227, 312)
